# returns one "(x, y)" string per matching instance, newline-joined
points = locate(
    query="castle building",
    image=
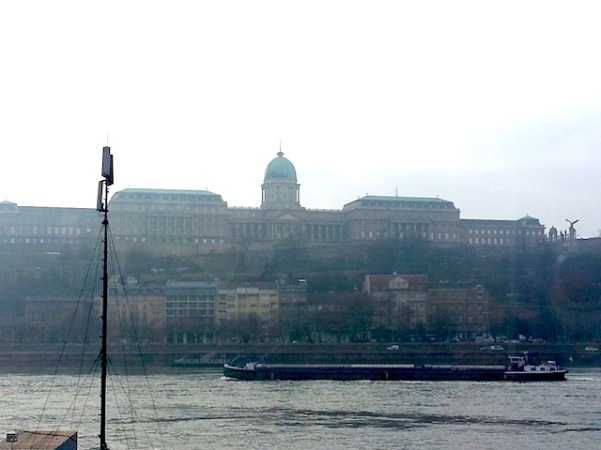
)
(168, 219)
(49, 227)
(483, 232)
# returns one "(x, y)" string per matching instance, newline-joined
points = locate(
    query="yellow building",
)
(135, 312)
(259, 299)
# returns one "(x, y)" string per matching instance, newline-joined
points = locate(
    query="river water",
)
(202, 410)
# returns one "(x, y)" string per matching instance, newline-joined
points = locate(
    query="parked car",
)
(495, 348)
(393, 347)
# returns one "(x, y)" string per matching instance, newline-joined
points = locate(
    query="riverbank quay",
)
(49, 357)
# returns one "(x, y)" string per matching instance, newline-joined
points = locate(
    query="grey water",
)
(193, 410)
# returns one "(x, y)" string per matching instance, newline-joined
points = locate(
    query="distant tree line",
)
(540, 291)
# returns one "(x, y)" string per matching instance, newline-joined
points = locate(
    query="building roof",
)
(455, 285)
(9, 207)
(280, 168)
(190, 284)
(383, 201)
(267, 285)
(154, 193)
(382, 282)
(37, 440)
(527, 220)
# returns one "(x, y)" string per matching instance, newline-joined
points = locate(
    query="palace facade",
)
(202, 219)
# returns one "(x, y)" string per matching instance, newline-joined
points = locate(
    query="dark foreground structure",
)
(40, 440)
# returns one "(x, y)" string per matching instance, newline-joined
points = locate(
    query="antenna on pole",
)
(108, 174)
(102, 206)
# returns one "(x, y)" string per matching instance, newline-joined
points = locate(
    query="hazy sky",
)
(495, 106)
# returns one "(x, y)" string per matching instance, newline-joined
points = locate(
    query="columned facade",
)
(182, 219)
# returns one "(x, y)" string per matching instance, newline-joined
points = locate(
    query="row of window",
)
(506, 232)
(363, 234)
(173, 240)
(46, 231)
(173, 312)
(254, 306)
(34, 241)
(490, 241)
(203, 304)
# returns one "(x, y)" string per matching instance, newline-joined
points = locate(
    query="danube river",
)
(202, 410)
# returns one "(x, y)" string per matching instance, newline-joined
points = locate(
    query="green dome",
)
(280, 168)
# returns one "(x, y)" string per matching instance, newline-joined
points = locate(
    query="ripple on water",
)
(194, 411)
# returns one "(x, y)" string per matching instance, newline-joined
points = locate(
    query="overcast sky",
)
(495, 106)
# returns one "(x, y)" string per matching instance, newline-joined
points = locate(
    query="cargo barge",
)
(517, 370)
(391, 372)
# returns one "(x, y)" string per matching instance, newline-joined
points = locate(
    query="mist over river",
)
(193, 410)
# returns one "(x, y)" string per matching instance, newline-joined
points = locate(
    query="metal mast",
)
(102, 206)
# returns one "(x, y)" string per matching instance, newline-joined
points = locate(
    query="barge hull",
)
(559, 375)
(365, 372)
